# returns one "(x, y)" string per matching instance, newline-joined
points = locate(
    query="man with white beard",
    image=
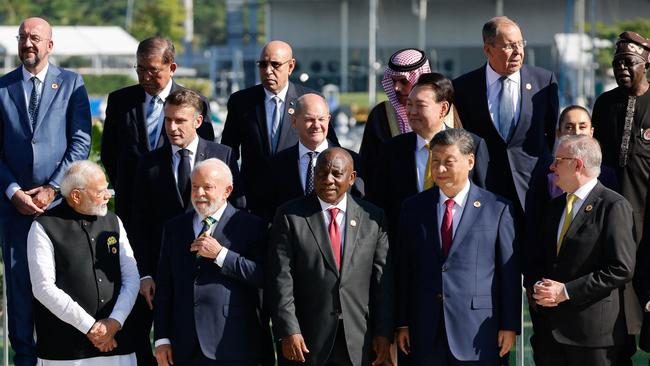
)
(83, 275)
(207, 308)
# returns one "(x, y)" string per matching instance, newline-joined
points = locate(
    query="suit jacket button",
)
(444, 268)
(33, 141)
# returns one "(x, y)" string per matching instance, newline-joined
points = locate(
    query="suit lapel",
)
(17, 94)
(51, 87)
(430, 228)
(352, 215)
(218, 233)
(525, 102)
(260, 113)
(409, 162)
(581, 216)
(316, 223)
(295, 168)
(467, 219)
(289, 104)
(167, 172)
(138, 114)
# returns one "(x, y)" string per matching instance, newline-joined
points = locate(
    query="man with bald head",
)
(259, 121)
(330, 282)
(310, 120)
(207, 309)
(44, 127)
(513, 107)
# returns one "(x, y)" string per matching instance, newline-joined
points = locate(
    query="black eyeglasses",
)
(263, 64)
(153, 72)
(558, 160)
(627, 62)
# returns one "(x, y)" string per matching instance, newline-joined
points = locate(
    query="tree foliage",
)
(611, 32)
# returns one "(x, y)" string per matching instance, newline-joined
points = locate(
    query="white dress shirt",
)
(421, 157)
(340, 218)
(163, 96)
(456, 212)
(176, 158)
(493, 90)
(269, 105)
(197, 225)
(303, 159)
(581, 194)
(42, 271)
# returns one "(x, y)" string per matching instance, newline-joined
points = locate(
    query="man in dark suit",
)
(330, 284)
(513, 107)
(258, 120)
(44, 127)
(449, 237)
(207, 308)
(293, 168)
(162, 190)
(406, 159)
(134, 121)
(586, 256)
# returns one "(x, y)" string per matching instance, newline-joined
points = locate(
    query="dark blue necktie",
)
(34, 100)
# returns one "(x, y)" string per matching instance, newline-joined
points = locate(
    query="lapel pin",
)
(589, 208)
(353, 223)
(528, 86)
(114, 250)
(477, 204)
(291, 110)
(646, 134)
(55, 86)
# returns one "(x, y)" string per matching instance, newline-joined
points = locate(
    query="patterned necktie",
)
(446, 230)
(335, 236)
(309, 178)
(34, 101)
(568, 217)
(275, 136)
(205, 230)
(183, 173)
(428, 174)
(153, 120)
(627, 130)
(506, 107)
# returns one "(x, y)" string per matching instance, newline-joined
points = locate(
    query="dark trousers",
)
(548, 352)
(625, 353)
(339, 355)
(143, 316)
(199, 359)
(13, 236)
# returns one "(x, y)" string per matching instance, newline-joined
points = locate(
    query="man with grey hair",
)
(207, 308)
(586, 255)
(84, 277)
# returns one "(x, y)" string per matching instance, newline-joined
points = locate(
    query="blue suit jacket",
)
(477, 285)
(218, 307)
(30, 156)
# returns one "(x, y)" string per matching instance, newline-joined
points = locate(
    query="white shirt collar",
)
(192, 147)
(40, 76)
(282, 94)
(585, 189)
(461, 197)
(342, 205)
(303, 150)
(493, 77)
(163, 94)
(216, 215)
(420, 141)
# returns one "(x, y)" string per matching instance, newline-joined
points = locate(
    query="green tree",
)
(604, 56)
(159, 17)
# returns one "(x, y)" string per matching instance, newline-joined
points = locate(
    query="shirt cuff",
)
(161, 342)
(145, 277)
(566, 293)
(86, 324)
(221, 257)
(647, 307)
(12, 189)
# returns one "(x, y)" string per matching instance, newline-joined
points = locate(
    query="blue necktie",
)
(275, 127)
(506, 107)
(34, 100)
(153, 119)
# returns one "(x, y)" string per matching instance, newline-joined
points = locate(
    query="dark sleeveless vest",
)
(87, 260)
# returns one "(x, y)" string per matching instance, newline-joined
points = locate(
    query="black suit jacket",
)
(287, 185)
(125, 138)
(246, 128)
(397, 177)
(512, 162)
(217, 309)
(306, 291)
(595, 261)
(157, 199)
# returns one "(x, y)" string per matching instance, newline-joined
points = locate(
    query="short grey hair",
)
(586, 149)
(491, 28)
(77, 176)
(222, 169)
(455, 136)
(301, 103)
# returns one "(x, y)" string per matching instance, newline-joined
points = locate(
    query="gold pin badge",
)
(111, 240)
(55, 86)
(113, 250)
(528, 86)
(477, 204)
(353, 223)
(291, 111)
(589, 208)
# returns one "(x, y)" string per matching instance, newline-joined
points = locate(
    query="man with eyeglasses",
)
(134, 125)
(259, 121)
(513, 107)
(621, 120)
(44, 126)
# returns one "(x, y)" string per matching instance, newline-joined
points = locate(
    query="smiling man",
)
(330, 284)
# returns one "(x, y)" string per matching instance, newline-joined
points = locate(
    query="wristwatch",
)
(57, 190)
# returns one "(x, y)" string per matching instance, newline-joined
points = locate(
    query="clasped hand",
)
(549, 293)
(102, 334)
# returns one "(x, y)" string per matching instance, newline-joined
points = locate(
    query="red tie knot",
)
(333, 212)
(450, 203)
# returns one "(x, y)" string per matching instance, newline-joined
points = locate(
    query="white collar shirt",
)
(269, 106)
(176, 158)
(303, 159)
(28, 85)
(581, 194)
(340, 218)
(457, 211)
(493, 90)
(163, 96)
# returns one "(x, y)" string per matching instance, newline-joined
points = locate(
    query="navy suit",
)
(476, 289)
(202, 307)
(512, 162)
(246, 128)
(32, 157)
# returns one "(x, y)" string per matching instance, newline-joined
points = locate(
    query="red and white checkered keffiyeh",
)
(409, 56)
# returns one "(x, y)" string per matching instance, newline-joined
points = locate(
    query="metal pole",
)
(422, 20)
(580, 22)
(498, 8)
(129, 15)
(5, 322)
(372, 53)
(344, 45)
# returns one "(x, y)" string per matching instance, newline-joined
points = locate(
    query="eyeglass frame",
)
(21, 38)
(100, 192)
(276, 65)
(624, 61)
(512, 45)
(559, 159)
(151, 72)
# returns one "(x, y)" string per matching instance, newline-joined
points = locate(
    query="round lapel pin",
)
(114, 250)
(353, 223)
(528, 86)
(646, 134)
(589, 208)
(55, 86)
(291, 111)
(477, 204)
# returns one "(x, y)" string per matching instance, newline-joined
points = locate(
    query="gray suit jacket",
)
(307, 294)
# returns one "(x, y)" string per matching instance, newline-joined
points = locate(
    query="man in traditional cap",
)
(621, 121)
